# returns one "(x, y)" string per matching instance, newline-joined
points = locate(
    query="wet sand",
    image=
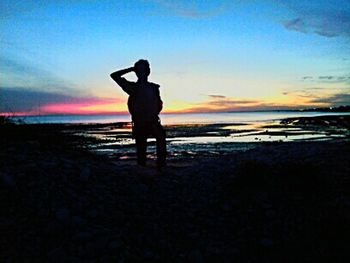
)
(210, 139)
(276, 201)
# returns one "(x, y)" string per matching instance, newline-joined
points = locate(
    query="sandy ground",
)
(283, 202)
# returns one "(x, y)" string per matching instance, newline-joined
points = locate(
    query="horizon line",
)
(23, 114)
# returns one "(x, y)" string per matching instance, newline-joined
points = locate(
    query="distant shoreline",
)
(171, 118)
(339, 109)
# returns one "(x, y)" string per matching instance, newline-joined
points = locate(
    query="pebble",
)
(226, 207)
(115, 244)
(8, 180)
(85, 174)
(93, 213)
(270, 213)
(148, 254)
(77, 221)
(142, 189)
(63, 215)
(195, 256)
(266, 242)
(83, 236)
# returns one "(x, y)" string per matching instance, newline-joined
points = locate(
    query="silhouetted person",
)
(144, 105)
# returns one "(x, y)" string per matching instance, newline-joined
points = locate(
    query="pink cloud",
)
(84, 106)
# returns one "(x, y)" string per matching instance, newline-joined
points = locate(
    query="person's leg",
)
(159, 134)
(141, 148)
(141, 143)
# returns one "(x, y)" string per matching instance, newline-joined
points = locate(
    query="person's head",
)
(142, 69)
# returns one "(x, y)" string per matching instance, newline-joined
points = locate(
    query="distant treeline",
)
(330, 109)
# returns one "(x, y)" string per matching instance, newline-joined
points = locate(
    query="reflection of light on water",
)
(186, 140)
(122, 130)
(275, 138)
(105, 150)
(125, 157)
(249, 138)
(245, 126)
(191, 140)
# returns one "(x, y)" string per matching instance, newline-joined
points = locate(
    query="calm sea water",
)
(232, 117)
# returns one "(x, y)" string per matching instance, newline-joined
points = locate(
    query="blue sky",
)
(206, 55)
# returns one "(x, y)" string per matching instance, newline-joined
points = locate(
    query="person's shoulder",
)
(154, 85)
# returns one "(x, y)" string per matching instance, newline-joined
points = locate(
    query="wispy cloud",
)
(327, 79)
(320, 96)
(326, 27)
(192, 10)
(296, 24)
(220, 103)
(298, 99)
(327, 19)
(228, 103)
(335, 100)
(307, 77)
(19, 72)
(217, 96)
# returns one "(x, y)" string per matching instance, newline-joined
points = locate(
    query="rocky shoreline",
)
(284, 202)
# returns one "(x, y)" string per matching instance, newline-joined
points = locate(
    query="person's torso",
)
(144, 104)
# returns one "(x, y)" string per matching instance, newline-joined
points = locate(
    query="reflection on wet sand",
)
(219, 138)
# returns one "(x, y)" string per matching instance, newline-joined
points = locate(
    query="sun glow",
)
(101, 106)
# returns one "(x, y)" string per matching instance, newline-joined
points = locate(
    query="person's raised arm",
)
(116, 76)
(122, 82)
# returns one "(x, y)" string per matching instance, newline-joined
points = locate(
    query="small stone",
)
(266, 205)
(226, 207)
(101, 243)
(8, 180)
(266, 242)
(93, 213)
(63, 214)
(115, 244)
(85, 174)
(270, 213)
(77, 221)
(142, 188)
(83, 236)
(57, 253)
(148, 254)
(195, 256)
(53, 227)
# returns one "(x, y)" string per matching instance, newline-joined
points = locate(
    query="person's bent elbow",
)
(115, 76)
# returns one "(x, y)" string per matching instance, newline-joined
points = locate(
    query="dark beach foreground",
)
(280, 201)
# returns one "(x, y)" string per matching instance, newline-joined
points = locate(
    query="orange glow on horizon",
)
(119, 106)
(83, 108)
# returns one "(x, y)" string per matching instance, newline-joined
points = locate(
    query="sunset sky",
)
(56, 56)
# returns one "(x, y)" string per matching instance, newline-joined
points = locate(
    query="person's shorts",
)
(147, 129)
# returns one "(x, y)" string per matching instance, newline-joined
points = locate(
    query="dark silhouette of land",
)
(278, 202)
(144, 105)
